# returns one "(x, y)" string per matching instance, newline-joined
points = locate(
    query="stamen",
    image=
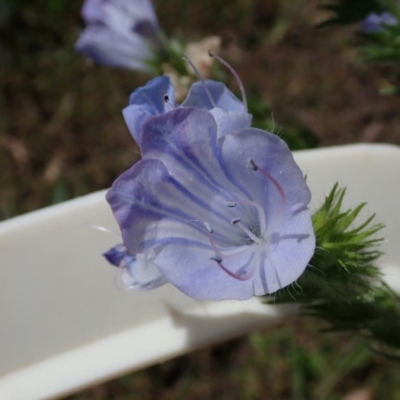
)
(199, 77)
(235, 220)
(271, 178)
(216, 258)
(261, 214)
(249, 233)
(167, 101)
(208, 227)
(219, 256)
(278, 187)
(230, 204)
(243, 278)
(252, 165)
(238, 80)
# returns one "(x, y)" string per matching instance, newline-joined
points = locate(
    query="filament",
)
(200, 78)
(261, 213)
(236, 76)
(275, 183)
(249, 233)
(246, 277)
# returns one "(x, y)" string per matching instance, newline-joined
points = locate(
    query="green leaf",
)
(341, 286)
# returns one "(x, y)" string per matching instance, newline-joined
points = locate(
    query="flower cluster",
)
(215, 207)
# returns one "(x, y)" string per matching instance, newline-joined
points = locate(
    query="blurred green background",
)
(62, 135)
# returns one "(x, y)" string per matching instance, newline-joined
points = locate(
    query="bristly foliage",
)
(341, 286)
(349, 11)
(384, 46)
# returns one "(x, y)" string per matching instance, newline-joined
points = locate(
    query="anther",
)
(230, 204)
(251, 164)
(168, 102)
(216, 258)
(235, 220)
(208, 227)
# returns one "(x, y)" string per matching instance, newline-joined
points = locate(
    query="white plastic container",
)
(64, 325)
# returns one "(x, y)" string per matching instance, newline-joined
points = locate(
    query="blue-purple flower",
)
(120, 33)
(157, 98)
(376, 22)
(216, 208)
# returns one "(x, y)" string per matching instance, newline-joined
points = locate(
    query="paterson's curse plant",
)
(215, 207)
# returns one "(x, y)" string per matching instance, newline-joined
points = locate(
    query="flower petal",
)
(185, 140)
(290, 248)
(105, 46)
(146, 194)
(101, 11)
(229, 121)
(137, 273)
(192, 271)
(221, 95)
(142, 274)
(272, 155)
(120, 33)
(148, 101)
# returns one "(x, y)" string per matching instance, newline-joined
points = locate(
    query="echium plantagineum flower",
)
(215, 207)
(120, 33)
(376, 22)
(158, 98)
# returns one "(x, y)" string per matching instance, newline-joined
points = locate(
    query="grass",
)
(288, 362)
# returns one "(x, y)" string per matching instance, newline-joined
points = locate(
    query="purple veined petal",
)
(148, 101)
(271, 154)
(137, 272)
(200, 277)
(229, 121)
(146, 194)
(222, 96)
(152, 95)
(185, 140)
(291, 247)
(106, 47)
(229, 112)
